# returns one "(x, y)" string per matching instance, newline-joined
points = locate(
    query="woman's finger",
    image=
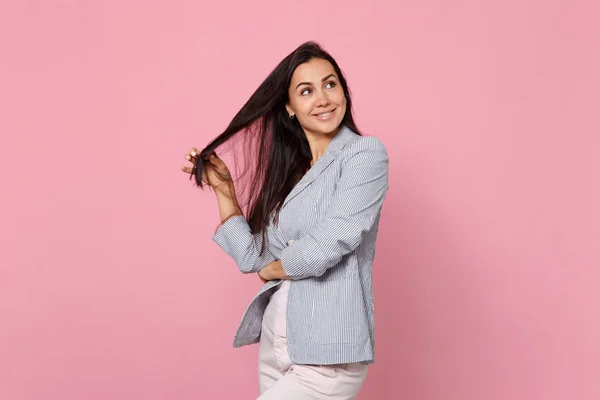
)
(191, 158)
(187, 170)
(216, 161)
(190, 170)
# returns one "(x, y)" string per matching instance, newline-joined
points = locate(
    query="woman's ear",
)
(289, 109)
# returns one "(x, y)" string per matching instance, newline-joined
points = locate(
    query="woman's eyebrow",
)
(322, 80)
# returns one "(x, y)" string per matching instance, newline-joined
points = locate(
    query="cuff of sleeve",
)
(231, 229)
(292, 263)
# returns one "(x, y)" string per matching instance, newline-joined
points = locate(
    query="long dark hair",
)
(279, 152)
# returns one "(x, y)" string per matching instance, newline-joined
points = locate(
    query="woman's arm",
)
(227, 201)
(234, 230)
(234, 235)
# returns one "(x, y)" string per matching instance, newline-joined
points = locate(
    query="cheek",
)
(297, 103)
(342, 102)
(340, 98)
(304, 107)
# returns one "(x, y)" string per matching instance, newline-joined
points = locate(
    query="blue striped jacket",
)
(325, 240)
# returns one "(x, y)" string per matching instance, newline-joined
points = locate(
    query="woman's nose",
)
(322, 99)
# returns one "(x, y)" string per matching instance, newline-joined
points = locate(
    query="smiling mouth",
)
(325, 114)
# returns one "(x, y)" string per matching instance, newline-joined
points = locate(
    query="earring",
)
(291, 116)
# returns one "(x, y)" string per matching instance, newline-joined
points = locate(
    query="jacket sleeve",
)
(236, 239)
(353, 210)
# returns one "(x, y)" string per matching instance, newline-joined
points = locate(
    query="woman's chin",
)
(325, 127)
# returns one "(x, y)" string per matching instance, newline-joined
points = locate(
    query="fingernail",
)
(188, 157)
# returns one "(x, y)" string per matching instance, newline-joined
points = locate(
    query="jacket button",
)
(290, 242)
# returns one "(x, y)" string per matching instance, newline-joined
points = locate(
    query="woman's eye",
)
(330, 85)
(305, 92)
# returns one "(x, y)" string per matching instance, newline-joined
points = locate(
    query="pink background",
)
(487, 271)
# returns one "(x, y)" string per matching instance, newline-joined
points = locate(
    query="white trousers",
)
(279, 378)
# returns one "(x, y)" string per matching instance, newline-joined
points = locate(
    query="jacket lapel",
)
(333, 150)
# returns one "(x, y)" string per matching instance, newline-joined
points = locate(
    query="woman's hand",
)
(214, 172)
(272, 271)
(263, 274)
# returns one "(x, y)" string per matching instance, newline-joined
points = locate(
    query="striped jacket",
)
(325, 240)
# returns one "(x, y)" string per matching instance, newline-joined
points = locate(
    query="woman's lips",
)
(325, 116)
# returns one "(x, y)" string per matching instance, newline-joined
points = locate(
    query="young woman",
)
(318, 186)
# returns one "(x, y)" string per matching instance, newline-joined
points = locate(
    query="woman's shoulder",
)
(365, 144)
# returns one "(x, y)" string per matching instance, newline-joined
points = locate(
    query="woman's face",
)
(316, 97)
